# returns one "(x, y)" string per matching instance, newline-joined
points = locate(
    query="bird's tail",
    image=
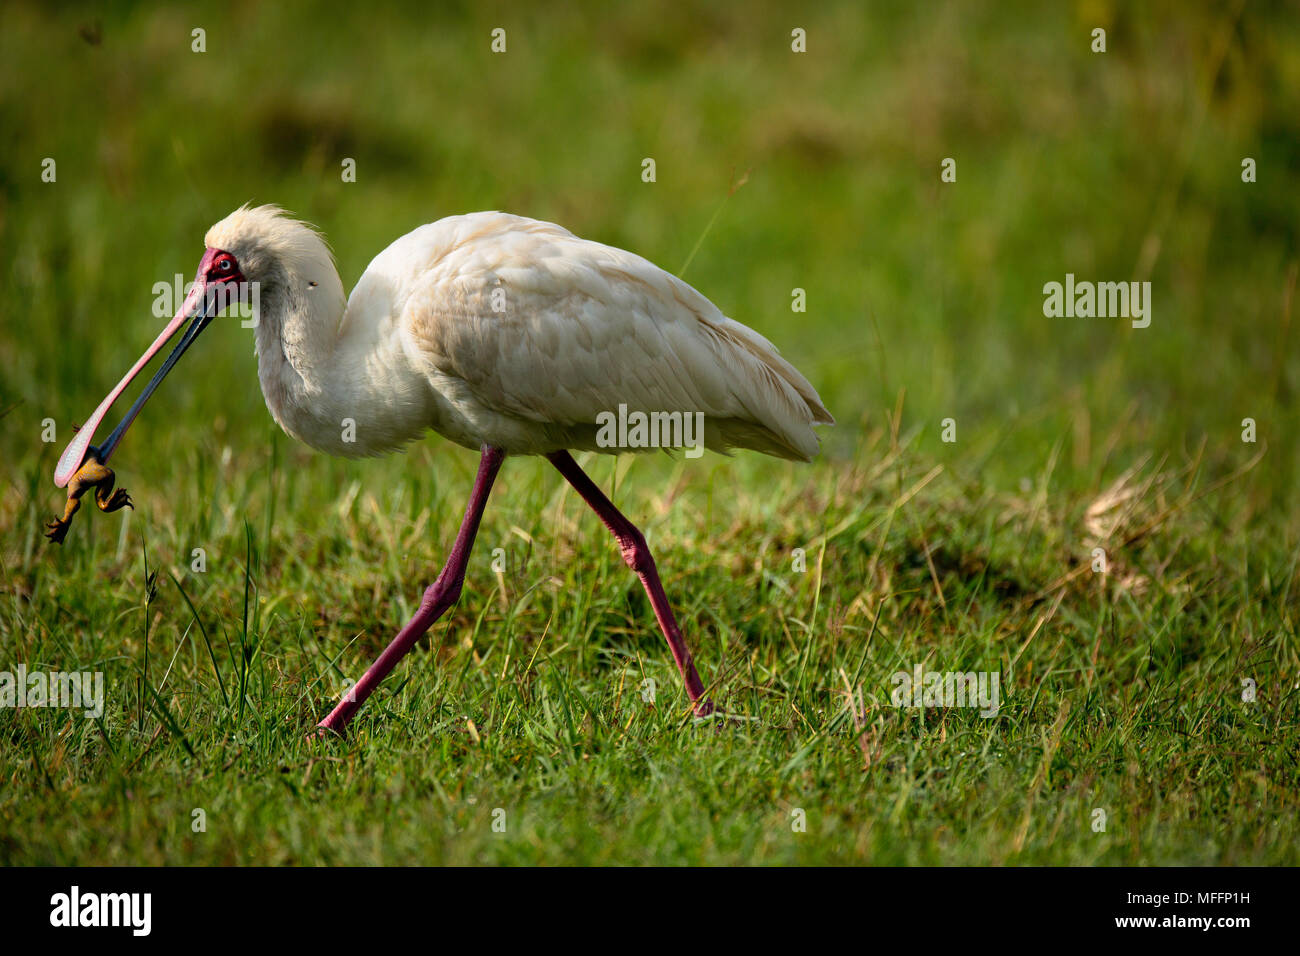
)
(783, 406)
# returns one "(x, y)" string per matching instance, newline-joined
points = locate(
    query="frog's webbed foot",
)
(118, 499)
(57, 529)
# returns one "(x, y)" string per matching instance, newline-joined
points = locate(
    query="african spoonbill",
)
(506, 335)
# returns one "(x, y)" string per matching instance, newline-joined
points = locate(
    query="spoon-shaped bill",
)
(195, 310)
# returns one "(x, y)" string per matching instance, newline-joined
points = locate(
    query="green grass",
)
(1122, 692)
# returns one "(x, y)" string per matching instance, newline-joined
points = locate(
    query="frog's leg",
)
(57, 529)
(101, 477)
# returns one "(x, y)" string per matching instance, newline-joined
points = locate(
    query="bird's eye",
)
(225, 265)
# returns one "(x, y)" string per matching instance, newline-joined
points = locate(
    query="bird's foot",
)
(708, 712)
(327, 731)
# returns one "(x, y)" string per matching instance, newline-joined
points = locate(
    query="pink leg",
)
(441, 595)
(637, 555)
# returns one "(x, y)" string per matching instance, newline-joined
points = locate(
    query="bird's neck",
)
(340, 384)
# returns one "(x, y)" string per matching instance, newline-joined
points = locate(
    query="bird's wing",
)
(549, 328)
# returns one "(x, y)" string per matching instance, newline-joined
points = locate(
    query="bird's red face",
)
(221, 267)
(220, 282)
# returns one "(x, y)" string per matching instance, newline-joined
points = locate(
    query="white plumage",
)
(500, 330)
(504, 334)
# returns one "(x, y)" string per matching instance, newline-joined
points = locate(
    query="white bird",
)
(503, 334)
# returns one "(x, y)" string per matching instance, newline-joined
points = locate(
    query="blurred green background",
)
(924, 302)
(1115, 166)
